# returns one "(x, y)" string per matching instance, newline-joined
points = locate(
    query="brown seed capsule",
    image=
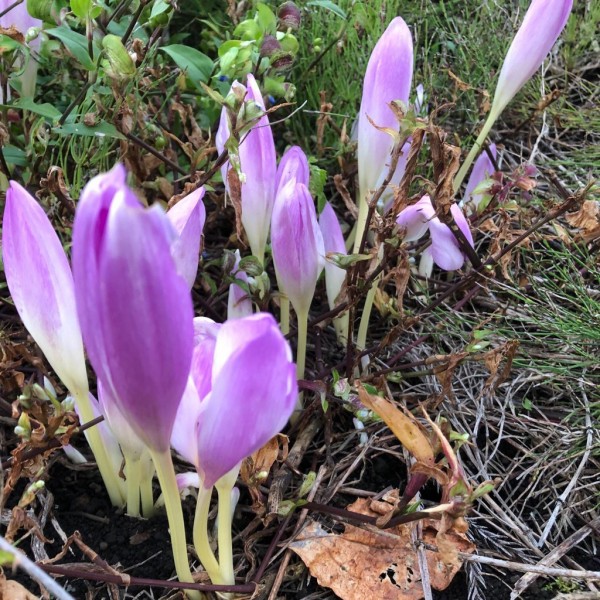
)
(290, 15)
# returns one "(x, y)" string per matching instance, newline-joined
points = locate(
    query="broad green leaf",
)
(15, 156)
(75, 43)
(197, 66)
(45, 110)
(159, 7)
(7, 44)
(103, 129)
(328, 5)
(266, 18)
(81, 8)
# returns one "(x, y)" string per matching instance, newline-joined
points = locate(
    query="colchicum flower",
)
(293, 165)
(258, 166)
(238, 302)
(543, 23)
(41, 285)
(188, 217)
(135, 309)
(388, 77)
(136, 315)
(242, 392)
(482, 170)
(19, 17)
(420, 217)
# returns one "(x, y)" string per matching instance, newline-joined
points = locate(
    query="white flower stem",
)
(361, 222)
(168, 484)
(133, 472)
(107, 471)
(224, 517)
(361, 338)
(284, 314)
(201, 541)
(146, 486)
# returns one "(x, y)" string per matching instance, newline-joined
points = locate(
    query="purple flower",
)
(420, 217)
(482, 170)
(293, 165)
(258, 165)
(333, 241)
(388, 77)
(188, 217)
(238, 303)
(543, 23)
(135, 309)
(246, 380)
(297, 245)
(41, 285)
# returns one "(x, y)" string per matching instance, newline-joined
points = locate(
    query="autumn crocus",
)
(187, 218)
(541, 26)
(19, 17)
(292, 166)
(246, 390)
(239, 303)
(136, 315)
(297, 246)
(41, 285)
(333, 243)
(258, 165)
(388, 78)
(482, 170)
(420, 217)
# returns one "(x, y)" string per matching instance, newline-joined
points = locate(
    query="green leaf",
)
(103, 129)
(81, 8)
(45, 110)
(15, 156)
(266, 18)
(75, 43)
(197, 65)
(7, 44)
(328, 5)
(159, 7)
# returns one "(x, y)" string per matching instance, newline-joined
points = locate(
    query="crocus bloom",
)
(19, 17)
(333, 241)
(388, 77)
(297, 245)
(238, 302)
(135, 309)
(293, 165)
(246, 380)
(41, 286)
(543, 23)
(258, 166)
(445, 251)
(188, 217)
(482, 169)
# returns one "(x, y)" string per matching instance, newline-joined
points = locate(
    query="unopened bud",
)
(269, 46)
(289, 15)
(120, 65)
(251, 266)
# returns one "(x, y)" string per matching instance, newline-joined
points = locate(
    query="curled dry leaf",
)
(587, 218)
(361, 563)
(406, 428)
(255, 469)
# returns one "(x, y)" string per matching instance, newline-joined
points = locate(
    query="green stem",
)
(201, 541)
(133, 473)
(107, 471)
(361, 222)
(361, 338)
(146, 486)
(224, 487)
(284, 314)
(474, 151)
(168, 484)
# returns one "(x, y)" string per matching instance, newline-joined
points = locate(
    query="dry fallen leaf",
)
(12, 590)
(405, 428)
(361, 563)
(588, 219)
